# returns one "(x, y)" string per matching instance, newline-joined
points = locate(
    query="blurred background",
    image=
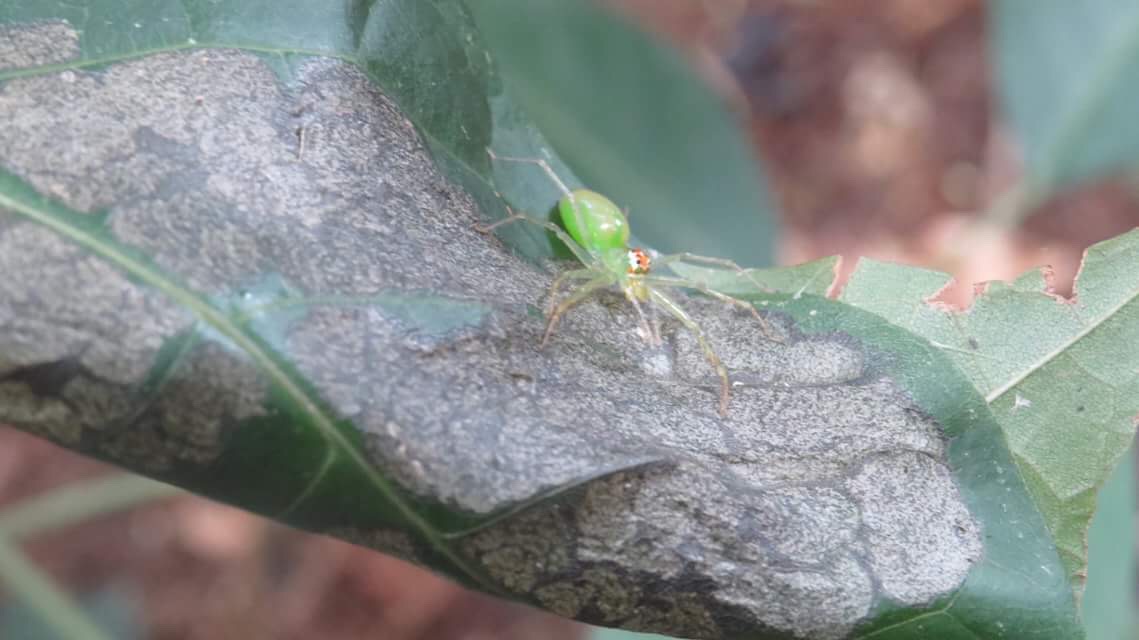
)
(876, 122)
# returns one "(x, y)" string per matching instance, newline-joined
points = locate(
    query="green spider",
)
(598, 236)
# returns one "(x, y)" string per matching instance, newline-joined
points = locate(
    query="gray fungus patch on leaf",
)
(63, 308)
(825, 493)
(38, 43)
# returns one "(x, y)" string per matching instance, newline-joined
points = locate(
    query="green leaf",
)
(1107, 606)
(629, 117)
(240, 256)
(1059, 375)
(1065, 75)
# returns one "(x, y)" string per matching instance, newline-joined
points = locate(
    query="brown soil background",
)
(876, 122)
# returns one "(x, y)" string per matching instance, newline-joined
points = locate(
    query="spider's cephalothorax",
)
(597, 232)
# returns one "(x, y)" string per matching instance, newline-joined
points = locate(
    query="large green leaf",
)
(1065, 75)
(238, 254)
(1059, 375)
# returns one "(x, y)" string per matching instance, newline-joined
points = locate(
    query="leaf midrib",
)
(1041, 362)
(207, 313)
(211, 316)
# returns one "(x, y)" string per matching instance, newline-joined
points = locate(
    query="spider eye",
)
(638, 261)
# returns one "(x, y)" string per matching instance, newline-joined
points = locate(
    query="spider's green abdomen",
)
(594, 221)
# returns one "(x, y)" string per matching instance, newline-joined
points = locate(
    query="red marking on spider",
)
(638, 262)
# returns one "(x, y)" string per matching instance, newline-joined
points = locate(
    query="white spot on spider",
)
(1020, 402)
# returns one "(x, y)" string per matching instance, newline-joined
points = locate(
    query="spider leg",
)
(553, 175)
(583, 292)
(652, 335)
(545, 166)
(567, 195)
(709, 354)
(709, 261)
(575, 274)
(683, 283)
(581, 254)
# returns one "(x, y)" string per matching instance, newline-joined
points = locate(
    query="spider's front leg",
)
(685, 256)
(648, 326)
(681, 315)
(589, 288)
(573, 274)
(687, 283)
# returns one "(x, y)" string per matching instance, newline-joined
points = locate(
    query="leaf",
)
(628, 116)
(1107, 608)
(248, 266)
(1059, 375)
(1065, 79)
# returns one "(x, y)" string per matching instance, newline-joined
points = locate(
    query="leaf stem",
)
(1010, 207)
(73, 504)
(35, 589)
